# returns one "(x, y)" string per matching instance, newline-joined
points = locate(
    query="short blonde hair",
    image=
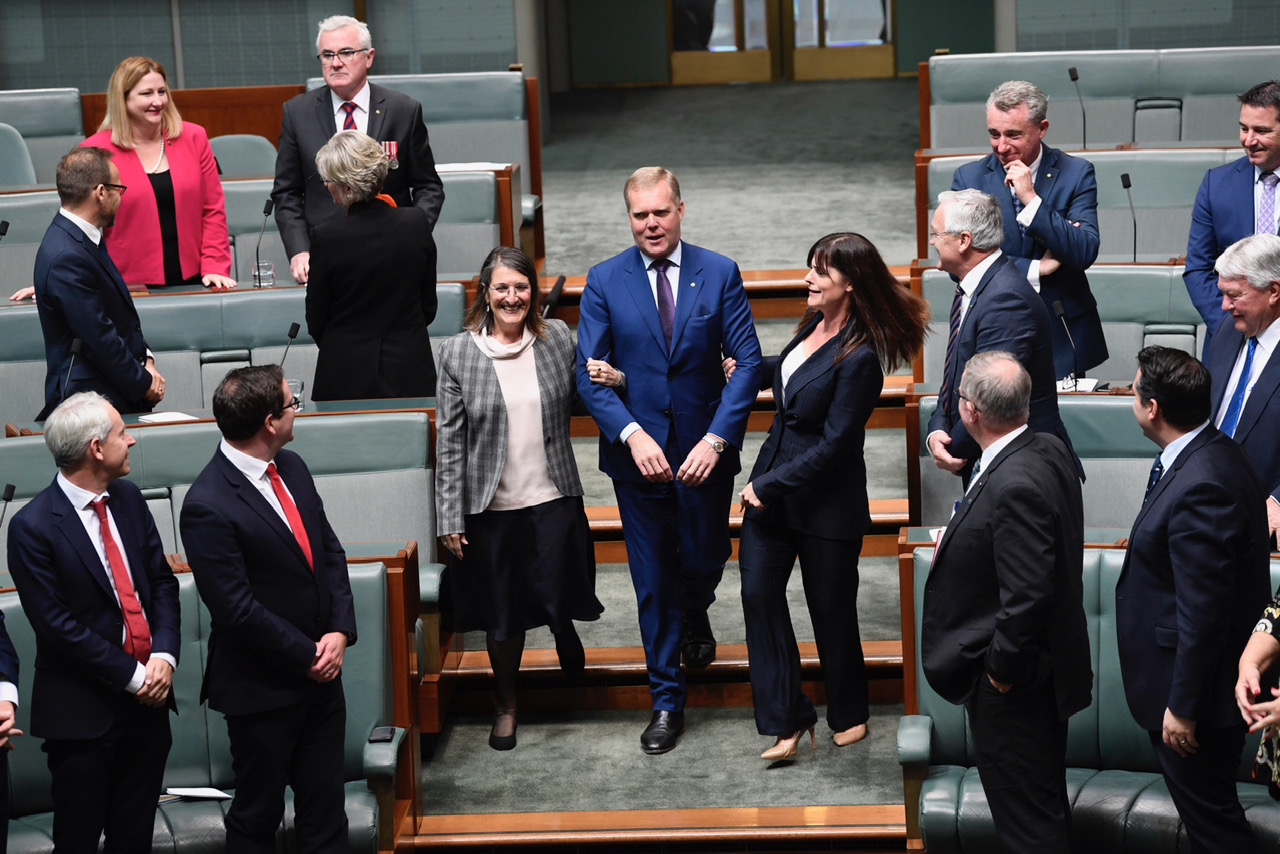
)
(355, 161)
(123, 80)
(649, 176)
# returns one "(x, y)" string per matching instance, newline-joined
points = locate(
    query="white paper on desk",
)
(1081, 384)
(207, 794)
(165, 417)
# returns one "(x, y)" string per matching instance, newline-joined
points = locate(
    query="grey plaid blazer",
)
(471, 423)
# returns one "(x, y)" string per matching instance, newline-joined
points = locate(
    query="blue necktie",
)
(1157, 471)
(1232, 418)
(1017, 209)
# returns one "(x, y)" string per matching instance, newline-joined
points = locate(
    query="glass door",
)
(839, 39)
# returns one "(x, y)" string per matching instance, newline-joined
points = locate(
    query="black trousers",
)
(829, 570)
(1203, 788)
(110, 784)
(1021, 746)
(301, 746)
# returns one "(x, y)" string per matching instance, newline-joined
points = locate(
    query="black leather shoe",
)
(697, 643)
(661, 733)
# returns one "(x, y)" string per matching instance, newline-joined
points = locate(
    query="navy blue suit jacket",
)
(682, 392)
(81, 667)
(1195, 578)
(811, 474)
(1004, 595)
(1005, 314)
(1068, 193)
(1223, 214)
(307, 123)
(79, 294)
(1258, 430)
(267, 605)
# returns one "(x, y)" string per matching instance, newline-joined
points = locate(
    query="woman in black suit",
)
(807, 496)
(372, 289)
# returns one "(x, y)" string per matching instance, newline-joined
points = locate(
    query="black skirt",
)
(525, 568)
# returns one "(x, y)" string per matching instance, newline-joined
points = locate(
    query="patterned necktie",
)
(1232, 418)
(137, 636)
(666, 306)
(944, 396)
(349, 123)
(291, 513)
(1017, 209)
(1157, 471)
(1266, 222)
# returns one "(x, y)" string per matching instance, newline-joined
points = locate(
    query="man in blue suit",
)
(1195, 578)
(8, 708)
(1049, 202)
(664, 314)
(1234, 201)
(1242, 360)
(994, 309)
(86, 558)
(81, 297)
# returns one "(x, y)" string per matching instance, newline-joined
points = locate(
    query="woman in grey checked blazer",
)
(509, 500)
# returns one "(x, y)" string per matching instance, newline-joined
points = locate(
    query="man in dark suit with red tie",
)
(86, 558)
(81, 297)
(274, 578)
(1195, 577)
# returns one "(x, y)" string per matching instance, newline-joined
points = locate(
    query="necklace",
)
(159, 159)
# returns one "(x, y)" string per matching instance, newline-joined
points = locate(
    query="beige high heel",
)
(785, 748)
(852, 735)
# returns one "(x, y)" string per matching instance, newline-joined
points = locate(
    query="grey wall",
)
(1147, 24)
(927, 25)
(618, 43)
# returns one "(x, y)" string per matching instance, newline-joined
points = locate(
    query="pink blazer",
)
(134, 241)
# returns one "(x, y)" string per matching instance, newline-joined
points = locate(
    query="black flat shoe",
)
(661, 733)
(503, 742)
(697, 643)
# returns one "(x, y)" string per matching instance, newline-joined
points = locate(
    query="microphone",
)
(1124, 182)
(76, 345)
(4, 227)
(266, 212)
(8, 496)
(293, 333)
(1075, 357)
(1075, 78)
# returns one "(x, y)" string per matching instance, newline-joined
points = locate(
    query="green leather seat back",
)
(29, 215)
(1207, 81)
(15, 161)
(244, 202)
(468, 226)
(50, 121)
(244, 155)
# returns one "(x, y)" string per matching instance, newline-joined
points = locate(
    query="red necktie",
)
(349, 123)
(291, 513)
(137, 637)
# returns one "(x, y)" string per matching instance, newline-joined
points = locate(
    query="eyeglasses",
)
(347, 54)
(503, 290)
(934, 235)
(120, 188)
(292, 404)
(971, 403)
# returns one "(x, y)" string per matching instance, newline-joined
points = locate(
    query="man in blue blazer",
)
(81, 297)
(1247, 406)
(1194, 580)
(1049, 202)
(1234, 201)
(274, 578)
(995, 310)
(665, 313)
(8, 708)
(86, 558)
(345, 50)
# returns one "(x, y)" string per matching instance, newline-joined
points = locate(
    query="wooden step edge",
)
(885, 512)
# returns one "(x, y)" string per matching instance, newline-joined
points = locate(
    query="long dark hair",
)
(883, 313)
(478, 319)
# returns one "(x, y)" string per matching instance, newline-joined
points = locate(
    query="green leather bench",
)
(244, 155)
(1116, 456)
(1119, 800)
(197, 338)
(50, 122)
(29, 215)
(201, 755)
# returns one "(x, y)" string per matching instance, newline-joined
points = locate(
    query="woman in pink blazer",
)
(171, 228)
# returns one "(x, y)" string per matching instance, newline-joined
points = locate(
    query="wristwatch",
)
(715, 443)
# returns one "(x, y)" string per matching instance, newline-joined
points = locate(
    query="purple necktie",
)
(349, 123)
(1266, 223)
(666, 305)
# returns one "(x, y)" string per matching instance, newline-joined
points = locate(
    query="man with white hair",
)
(1241, 358)
(348, 101)
(994, 309)
(1049, 200)
(86, 558)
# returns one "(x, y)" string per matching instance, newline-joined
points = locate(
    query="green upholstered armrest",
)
(914, 735)
(429, 575)
(380, 762)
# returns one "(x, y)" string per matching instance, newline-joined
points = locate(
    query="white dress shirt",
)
(90, 230)
(1027, 215)
(256, 471)
(1170, 452)
(1268, 339)
(81, 500)
(361, 114)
